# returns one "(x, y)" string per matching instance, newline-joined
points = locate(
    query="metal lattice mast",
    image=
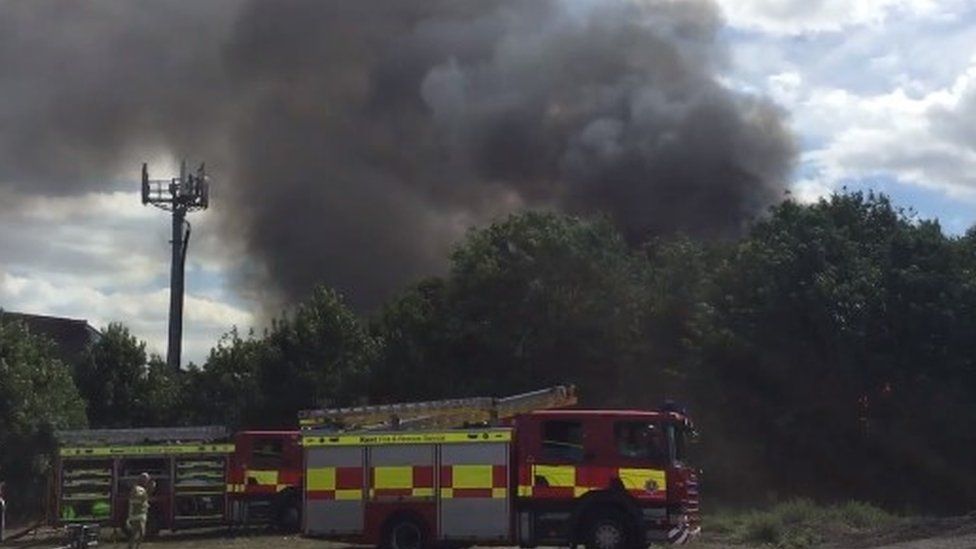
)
(188, 193)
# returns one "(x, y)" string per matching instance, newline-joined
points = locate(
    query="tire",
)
(609, 531)
(405, 533)
(288, 518)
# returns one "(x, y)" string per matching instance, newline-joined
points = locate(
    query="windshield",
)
(642, 440)
(679, 437)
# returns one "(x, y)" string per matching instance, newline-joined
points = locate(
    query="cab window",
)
(678, 438)
(640, 440)
(562, 441)
(267, 454)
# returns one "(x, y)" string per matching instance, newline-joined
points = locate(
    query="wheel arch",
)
(604, 501)
(427, 529)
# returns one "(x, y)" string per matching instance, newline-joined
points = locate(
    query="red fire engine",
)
(264, 478)
(202, 476)
(523, 471)
(605, 478)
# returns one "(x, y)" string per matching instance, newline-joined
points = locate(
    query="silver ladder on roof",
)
(437, 414)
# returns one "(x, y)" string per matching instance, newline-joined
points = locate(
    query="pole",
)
(176, 292)
(176, 280)
(187, 194)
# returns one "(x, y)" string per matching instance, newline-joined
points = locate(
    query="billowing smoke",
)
(354, 142)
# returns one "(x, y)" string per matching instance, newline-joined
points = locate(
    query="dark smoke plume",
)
(357, 140)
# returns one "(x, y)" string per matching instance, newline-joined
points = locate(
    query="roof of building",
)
(71, 336)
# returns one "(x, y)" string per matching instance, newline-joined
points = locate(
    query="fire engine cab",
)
(264, 479)
(604, 478)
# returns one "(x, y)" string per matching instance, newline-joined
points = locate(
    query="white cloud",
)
(808, 191)
(924, 140)
(785, 87)
(793, 17)
(105, 257)
(146, 313)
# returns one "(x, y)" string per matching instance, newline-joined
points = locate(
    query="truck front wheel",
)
(288, 512)
(289, 517)
(608, 531)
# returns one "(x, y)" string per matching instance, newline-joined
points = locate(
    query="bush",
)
(798, 511)
(762, 528)
(857, 514)
(796, 523)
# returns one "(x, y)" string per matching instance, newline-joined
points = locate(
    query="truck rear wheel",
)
(609, 531)
(405, 533)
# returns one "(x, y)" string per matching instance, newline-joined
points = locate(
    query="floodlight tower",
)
(188, 193)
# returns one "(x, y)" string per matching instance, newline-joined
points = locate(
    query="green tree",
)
(318, 355)
(838, 331)
(227, 390)
(163, 395)
(532, 300)
(37, 397)
(112, 376)
(416, 333)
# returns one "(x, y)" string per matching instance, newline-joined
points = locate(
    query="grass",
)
(796, 523)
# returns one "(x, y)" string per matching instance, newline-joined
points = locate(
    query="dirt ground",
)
(916, 533)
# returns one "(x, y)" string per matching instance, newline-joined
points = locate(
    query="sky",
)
(881, 95)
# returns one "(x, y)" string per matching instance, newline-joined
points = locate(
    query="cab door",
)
(641, 455)
(550, 452)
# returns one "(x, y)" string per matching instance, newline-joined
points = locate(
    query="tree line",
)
(829, 352)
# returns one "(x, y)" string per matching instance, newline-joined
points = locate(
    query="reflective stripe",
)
(402, 481)
(147, 450)
(321, 478)
(461, 493)
(637, 479)
(471, 476)
(568, 481)
(334, 483)
(445, 437)
(351, 494)
(555, 476)
(474, 481)
(400, 476)
(263, 477)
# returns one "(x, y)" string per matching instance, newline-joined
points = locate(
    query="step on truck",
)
(606, 479)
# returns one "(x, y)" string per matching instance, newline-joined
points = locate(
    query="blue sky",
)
(881, 95)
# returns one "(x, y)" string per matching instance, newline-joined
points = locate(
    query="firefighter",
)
(139, 509)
